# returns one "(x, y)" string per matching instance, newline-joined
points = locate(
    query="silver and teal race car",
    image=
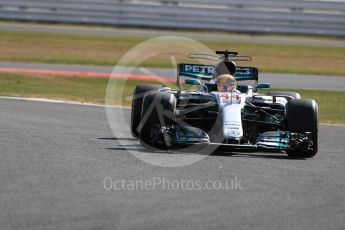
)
(163, 118)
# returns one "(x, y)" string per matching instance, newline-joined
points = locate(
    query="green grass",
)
(331, 106)
(44, 47)
(57, 87)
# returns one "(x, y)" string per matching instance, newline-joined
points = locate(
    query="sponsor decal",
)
(233, 133)
(198, 69)
(232, 126)
(243, 71)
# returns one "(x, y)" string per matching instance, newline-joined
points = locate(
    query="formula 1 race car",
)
(240, 119)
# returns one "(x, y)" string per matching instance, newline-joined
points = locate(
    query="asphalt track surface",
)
(291, 81)
(149, 33)
(54, 158)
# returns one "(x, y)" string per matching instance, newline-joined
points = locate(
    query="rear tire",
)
(302, 116)
(137, 102)
(285, 93)
(158, 107)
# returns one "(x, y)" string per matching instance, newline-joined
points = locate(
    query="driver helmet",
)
(226, 83)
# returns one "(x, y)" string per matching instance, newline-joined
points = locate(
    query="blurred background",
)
(313, 17)
(297, 44)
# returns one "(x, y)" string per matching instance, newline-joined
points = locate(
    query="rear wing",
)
(205, 72)
(246, 73)
(202, 72)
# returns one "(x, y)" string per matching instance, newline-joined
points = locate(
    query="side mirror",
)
(192, 82)
(263, 85)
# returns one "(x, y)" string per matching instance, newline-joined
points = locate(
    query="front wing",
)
(180, 136)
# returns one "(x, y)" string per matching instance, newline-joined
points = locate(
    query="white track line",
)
(92, 104)
(329, 124)
(61, 102)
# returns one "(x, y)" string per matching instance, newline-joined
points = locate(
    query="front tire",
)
(137, 102)
(302, 116)
(158, 111)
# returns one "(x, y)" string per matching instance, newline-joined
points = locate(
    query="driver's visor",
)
(224, 87)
